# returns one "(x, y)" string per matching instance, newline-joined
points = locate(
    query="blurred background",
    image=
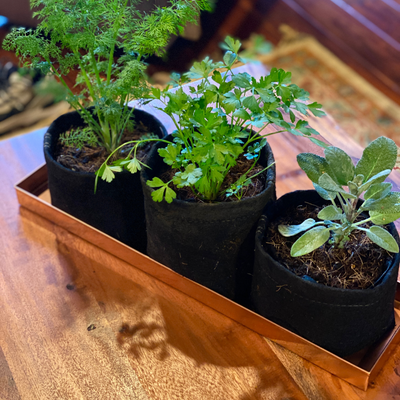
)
(346, 53)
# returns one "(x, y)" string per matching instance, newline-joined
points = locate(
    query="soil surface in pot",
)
(242, 166)
(90, 158)
(357, 266)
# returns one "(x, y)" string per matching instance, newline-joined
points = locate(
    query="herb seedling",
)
(330, 175)
(79, 137)
(214, 123)
(84, 36)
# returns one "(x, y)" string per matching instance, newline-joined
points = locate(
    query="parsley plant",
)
(215, 121)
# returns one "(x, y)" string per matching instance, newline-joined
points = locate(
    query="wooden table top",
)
(78, 323)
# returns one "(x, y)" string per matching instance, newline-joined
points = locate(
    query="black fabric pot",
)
(342, 321)
(117, 208)
(204, 242)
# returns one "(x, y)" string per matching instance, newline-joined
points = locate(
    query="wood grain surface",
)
(75, 326)
(79, 323)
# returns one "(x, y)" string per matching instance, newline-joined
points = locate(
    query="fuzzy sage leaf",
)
(310, 241)
(291, 230)
(383, 238)
(341, 164)
(330, 213)
(331, 176)
(380, 155)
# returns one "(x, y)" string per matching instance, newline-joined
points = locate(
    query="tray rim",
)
(31, 186)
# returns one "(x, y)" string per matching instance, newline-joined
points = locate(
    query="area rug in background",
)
(359, 108)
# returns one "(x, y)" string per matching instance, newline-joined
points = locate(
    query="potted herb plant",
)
(335, 284)
(106, 42)
(208, 184)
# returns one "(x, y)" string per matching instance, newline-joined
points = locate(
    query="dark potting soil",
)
(357, 266)
(89, 158)
(256, 186)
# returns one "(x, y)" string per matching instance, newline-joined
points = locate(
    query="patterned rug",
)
(359, 108)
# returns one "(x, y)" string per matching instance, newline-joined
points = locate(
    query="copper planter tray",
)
(359, 369)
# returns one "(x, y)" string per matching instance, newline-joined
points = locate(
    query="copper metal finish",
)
(358, 369)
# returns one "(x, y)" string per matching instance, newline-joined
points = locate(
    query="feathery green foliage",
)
(79, 137)
(83, 35)
(329, 175)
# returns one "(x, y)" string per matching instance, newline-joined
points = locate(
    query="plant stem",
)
(362, 222)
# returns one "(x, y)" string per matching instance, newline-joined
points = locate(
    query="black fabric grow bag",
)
(342, 321)
(117, 208)
(204, 242)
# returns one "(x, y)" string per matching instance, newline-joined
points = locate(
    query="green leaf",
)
(325, 194)
(310, 241)
(383, 238)
(107, 175)
(251, 103)
(231, 44)
(381, 154)
(353, 188)
(170, 153)
(330, 213)
(242, 113)
(189, 177)
(314, 108)
(341, 164)
(155, 182)
(385, 217)
(301, 107)
(327, 183)
(133, 166)
(386, 210)
(217, 77)
(314, 166)
(292, 116)
(380, 204)
(200, 69)
(158, 195)
(216, 175)
(291, 230)
(169, 195)
(242, 80)
(358, 180)
(378, 190)
(285, 93)
(267, 95)
(210, 96)
(226, 87)
(379, 177)
(229, 58)
(156, 93)
(231, 99)
(319, 143)
(229, 108)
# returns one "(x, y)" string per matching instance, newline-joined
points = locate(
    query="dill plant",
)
(84, 35)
